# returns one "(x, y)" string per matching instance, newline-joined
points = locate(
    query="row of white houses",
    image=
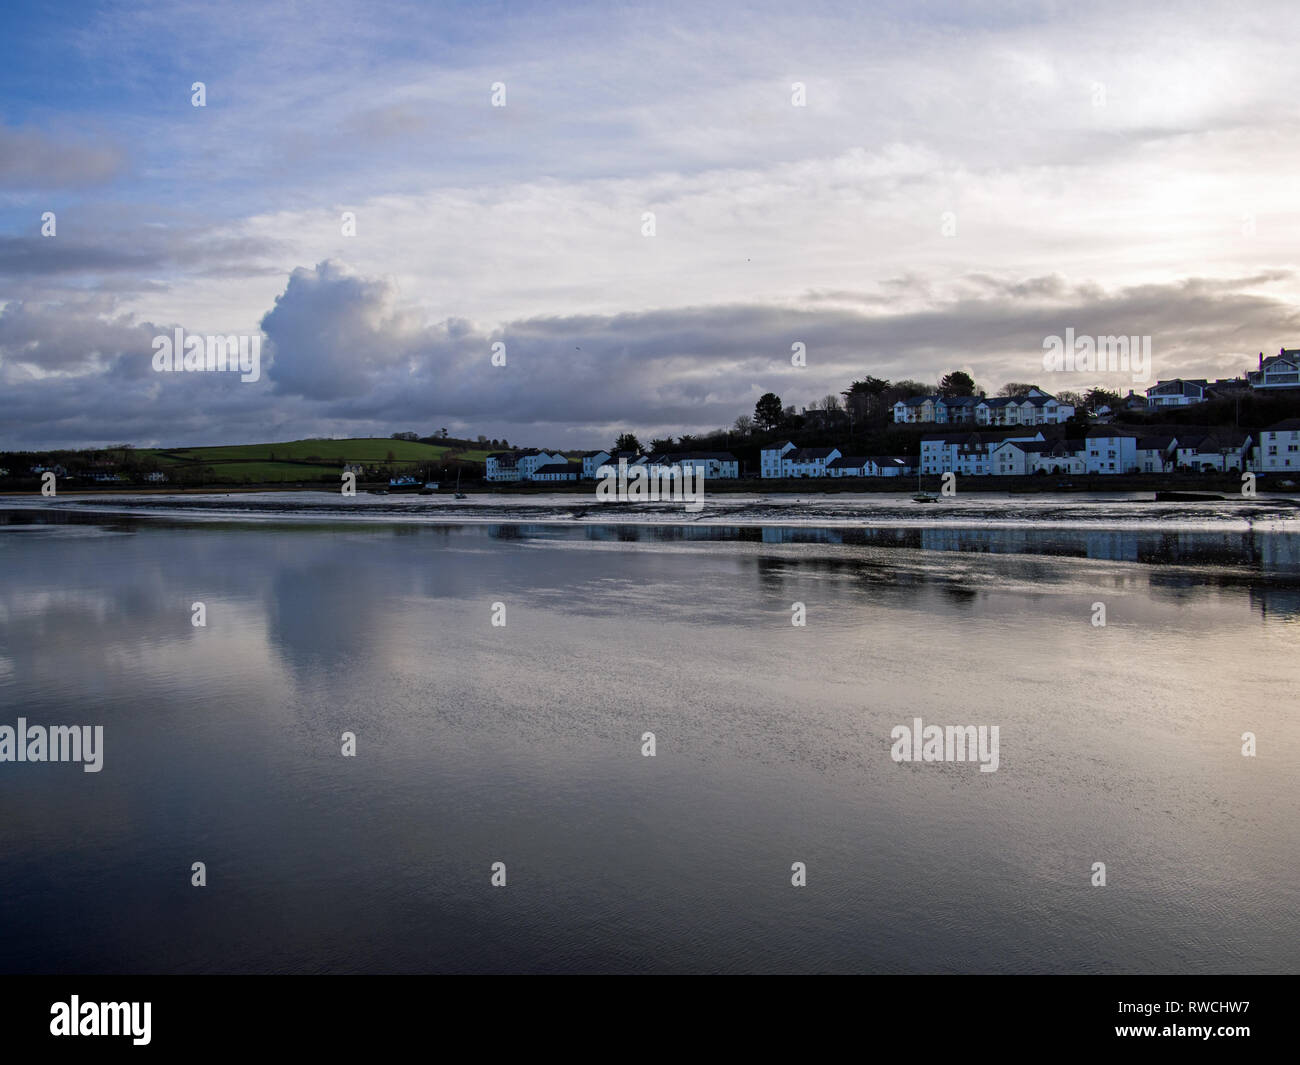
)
(787, 461)
(535, 465)
(1036, 407)
(1102, 449)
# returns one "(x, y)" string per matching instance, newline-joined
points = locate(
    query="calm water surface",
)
(521, 744)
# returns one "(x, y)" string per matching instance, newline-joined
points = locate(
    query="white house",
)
(968, 453)
(770, 459)
(960, 409)
(1035, 407)
(591, 462)
(557, 471)
(1156, 454)
(1224, 450)
(920, 409)
(500, 466)
(1177, 393)
(518, 465)
(713, 464)
(1110, 451)
(1277, 371)
(936, 408)
(808, 461)
(1056, 456)
(532, 460)
(1010, 458)
(890, 466)
(1279, 447)
(849, 466)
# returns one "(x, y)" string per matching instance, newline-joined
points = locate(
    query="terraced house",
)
(1279, 447)
(1035, 407)
(787, 460)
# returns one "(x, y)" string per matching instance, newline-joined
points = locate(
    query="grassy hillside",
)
(302, 460)
(331, 453)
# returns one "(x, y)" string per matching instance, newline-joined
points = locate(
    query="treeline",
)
(858, 420)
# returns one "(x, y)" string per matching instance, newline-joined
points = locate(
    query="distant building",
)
(870, 466)
(518, 465)
(1279, 447)
(1277, 371)
(1110, 451)
(1177, 393)
(591, 462)
(557, 471)
(1156, 454)
(714, 465)
(770, 459)
(1035, 407)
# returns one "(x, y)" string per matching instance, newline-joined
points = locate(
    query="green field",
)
(305, 460)
(327, 452)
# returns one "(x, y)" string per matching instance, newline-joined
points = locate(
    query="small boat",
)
(1286, 484)
(429, 488)
(923, 497)
(459, 493)
(404, 484)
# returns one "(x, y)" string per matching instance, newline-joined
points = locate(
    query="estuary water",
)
(523, 743)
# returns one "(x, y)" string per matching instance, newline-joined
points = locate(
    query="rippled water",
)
(521, 744)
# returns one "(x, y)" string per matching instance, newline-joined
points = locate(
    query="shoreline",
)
(1117, 512)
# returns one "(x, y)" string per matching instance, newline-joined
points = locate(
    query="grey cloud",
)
(32, 159)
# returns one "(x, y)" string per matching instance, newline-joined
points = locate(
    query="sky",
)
(904, 189)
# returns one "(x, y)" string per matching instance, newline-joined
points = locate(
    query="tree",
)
(744, 425)
(1096, 398)
(1073, 399)
(831, 402)
(661, 444)
(957, 383)
(1016, 389)
(627, 442)
(864, 399)
(768, 411)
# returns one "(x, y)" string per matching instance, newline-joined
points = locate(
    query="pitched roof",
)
(558, 467)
